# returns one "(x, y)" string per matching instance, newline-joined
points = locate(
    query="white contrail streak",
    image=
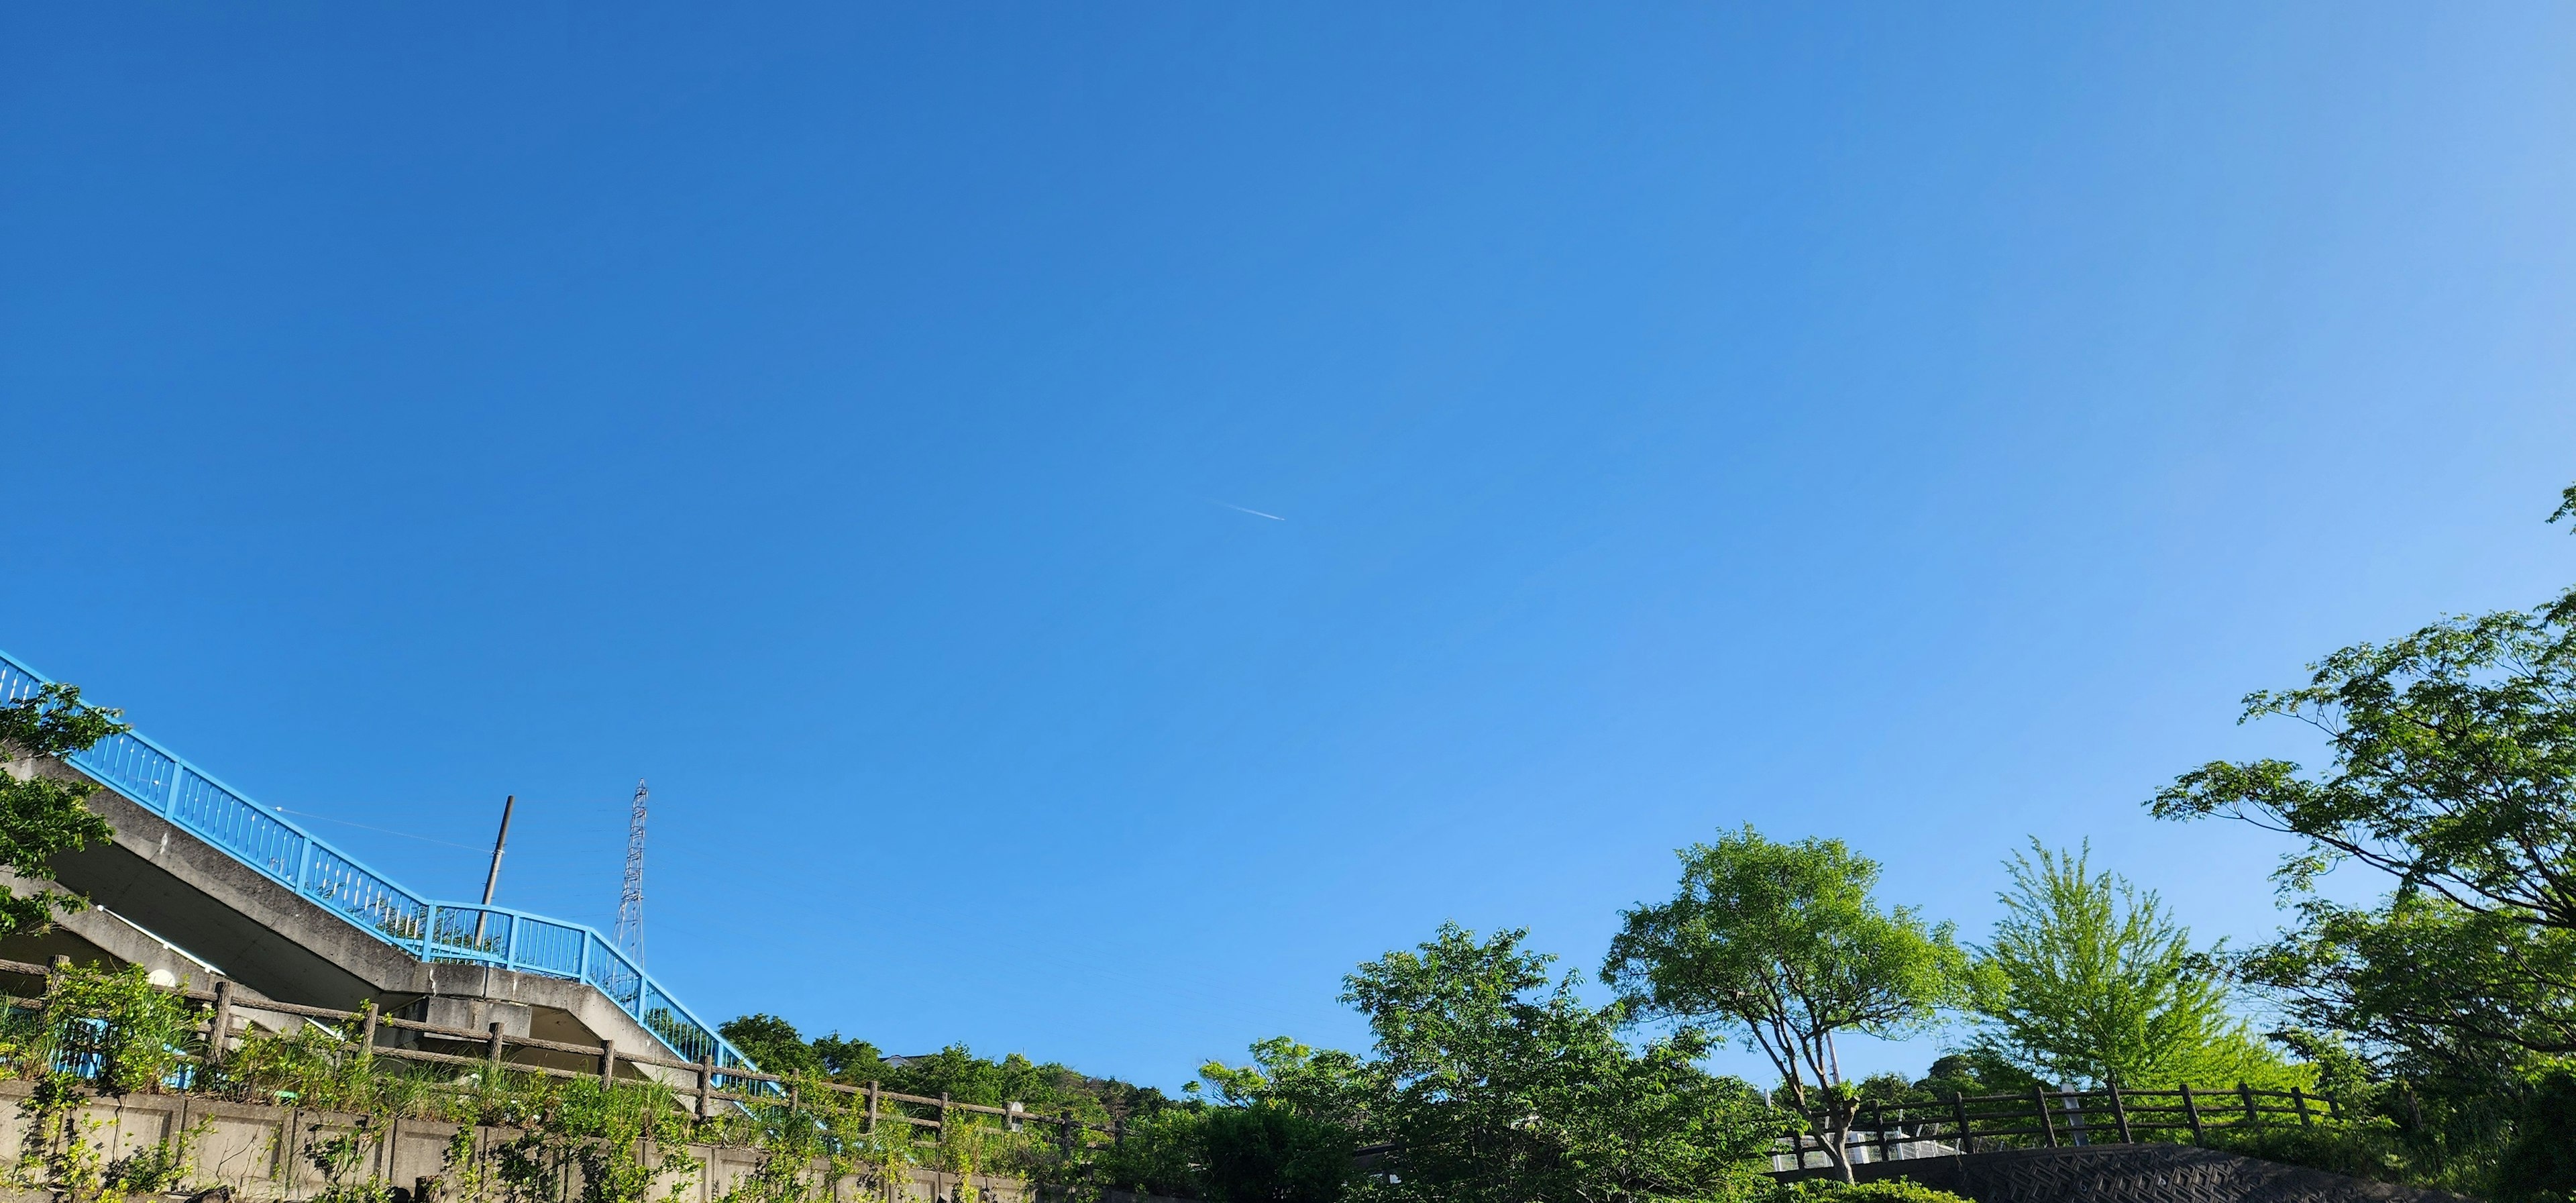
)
(1255, 513)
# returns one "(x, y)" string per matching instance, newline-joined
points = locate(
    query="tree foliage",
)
(1784, 944)
(1496, 1086)
(777, 1047)
(2453, 771)
(2450, 768)
(2090, 980)
(43, 816)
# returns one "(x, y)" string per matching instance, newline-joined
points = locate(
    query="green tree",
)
(2450, 767)
(772, 1043)
(2453, 771)
(2091, 980)
(43, 816)
(1326, 1085)
(1269, 1153)
(1783, 943)
(1495, 1086)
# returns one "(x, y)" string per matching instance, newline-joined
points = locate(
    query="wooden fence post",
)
(2191, 1111)
(2120, 1112)
(1959, 1113)
(367, 1030)
(492, 1052)
(2246, 1093)
(2299, 1099)
(219, 1026)
(2047, 1123)
(943, 1115)
(706, 1083)
(872, 1108)
(607, 1061)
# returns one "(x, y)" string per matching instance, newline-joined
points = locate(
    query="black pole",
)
(492, 880)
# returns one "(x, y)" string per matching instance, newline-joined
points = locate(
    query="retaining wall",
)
(257, 1151)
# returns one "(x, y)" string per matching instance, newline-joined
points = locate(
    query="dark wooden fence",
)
(703, 1085)
(2045, 1118)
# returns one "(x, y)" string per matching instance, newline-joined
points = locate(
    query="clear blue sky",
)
(1916, 425)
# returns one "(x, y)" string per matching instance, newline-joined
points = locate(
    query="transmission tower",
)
(630, 899)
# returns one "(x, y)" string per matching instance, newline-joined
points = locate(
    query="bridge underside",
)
(172, 903)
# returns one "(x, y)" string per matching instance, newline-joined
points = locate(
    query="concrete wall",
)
(257, 1151)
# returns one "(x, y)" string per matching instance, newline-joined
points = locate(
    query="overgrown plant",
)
(602, 1137)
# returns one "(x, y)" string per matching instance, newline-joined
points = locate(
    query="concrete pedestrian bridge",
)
(203, 883)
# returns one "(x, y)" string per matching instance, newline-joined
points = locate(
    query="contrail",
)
(1255, 513)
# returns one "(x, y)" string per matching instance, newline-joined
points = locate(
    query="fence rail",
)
(712, 1086)
(196, 802)
(2043, 1118)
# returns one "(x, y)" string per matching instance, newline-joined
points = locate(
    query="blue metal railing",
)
(451, 932)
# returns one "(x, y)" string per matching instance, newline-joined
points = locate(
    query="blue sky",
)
(1911, 425)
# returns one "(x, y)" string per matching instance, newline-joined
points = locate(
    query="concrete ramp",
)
(201, 876)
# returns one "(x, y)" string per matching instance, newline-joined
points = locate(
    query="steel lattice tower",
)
(630, 898)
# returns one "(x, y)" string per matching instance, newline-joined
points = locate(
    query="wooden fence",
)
(703, 1085)
(2045, 1118)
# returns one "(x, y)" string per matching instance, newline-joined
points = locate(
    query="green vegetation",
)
(2089, 980)
(1783, 943)
(955, 1071)
(41, 816)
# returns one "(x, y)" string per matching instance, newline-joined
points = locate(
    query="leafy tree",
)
(2453, 771)
(1784, 943)
(2090, 980)
(1326, 1085)
(2450, 768)
(772, 1043)
(1495, 1087)
(1268, 1153)
(1158, 1154)
(43, 816)
(777, 1047)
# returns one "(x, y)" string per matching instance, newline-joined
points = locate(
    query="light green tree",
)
(2090, 980)
(42, 816)
(1783, 944)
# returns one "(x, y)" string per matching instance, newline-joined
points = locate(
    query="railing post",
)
(943, 1115)
(2246, 1093)
(607, 1061)
(1959, 1113)
(2047, 1124)
(2191, 1111)
(428, 927)
(493, 1053)
(872, 1109)
(2299, 1099)
(1878, 1128)
(706, 1082)
(2120, 1112)
(219, 1026)
(367, 1031)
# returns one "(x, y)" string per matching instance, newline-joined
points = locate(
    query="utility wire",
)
(387, 830)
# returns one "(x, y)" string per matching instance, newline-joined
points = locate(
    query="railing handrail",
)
(2110, 1114)
(427, 947)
